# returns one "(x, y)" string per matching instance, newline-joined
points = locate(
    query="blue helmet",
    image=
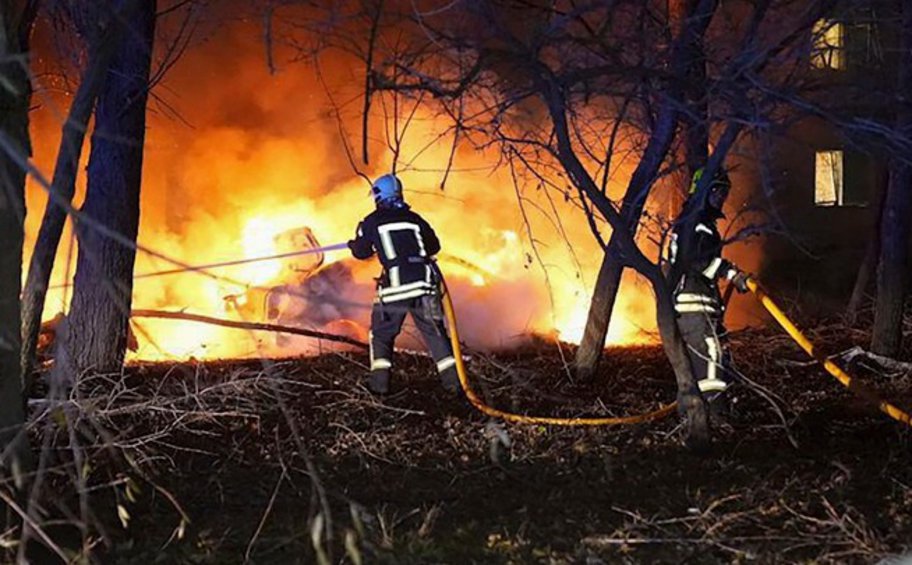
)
(387, 191)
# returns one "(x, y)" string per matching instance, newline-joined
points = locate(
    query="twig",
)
(258, 326)
(272, 499)
(34, 526)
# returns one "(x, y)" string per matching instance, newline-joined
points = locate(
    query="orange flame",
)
(264, 158)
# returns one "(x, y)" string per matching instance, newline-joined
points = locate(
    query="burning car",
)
(307, 292)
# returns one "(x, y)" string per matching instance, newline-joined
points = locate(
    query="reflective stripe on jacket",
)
(696, 256)
(405, 244)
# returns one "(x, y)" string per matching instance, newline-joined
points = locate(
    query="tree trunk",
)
(691, 405)
(868, 266)
(603, 298)
(604, 295)
(863, 279)
(15, 93)
(690, 402)
(892, 271)
(95, 334)
(696, 117)
(63, 184)
(608, 283)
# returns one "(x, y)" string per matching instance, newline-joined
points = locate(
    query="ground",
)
(268, 459)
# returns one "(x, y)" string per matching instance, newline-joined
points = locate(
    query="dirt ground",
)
(292, 461)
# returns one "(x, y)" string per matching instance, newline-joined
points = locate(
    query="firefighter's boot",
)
(378, 382)
(449, 379)
(719, 405)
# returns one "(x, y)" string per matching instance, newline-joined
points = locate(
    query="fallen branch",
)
(258, 326)
(854, 353)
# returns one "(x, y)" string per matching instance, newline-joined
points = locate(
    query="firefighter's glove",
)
(740, 281)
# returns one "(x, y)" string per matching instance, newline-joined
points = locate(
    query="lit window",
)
(829, 46)
(829, 179)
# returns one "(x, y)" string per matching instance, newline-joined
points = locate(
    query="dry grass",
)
(293, 461)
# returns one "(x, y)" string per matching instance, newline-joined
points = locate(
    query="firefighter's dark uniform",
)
(405, 244)
(695, 256)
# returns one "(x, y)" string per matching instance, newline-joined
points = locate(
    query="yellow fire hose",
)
(478, 403)
(832, 368)
(664, 411)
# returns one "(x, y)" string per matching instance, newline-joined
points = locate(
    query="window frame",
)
(828, 45)
(836, 174)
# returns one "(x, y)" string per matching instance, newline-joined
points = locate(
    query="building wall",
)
(818, 256)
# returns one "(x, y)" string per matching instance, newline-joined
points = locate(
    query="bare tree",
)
(15, 92)
(895, 231)
(553, 84)
(696, 99)
(688, 64)
(101, 31)
(95, 335)
(505, 63)
(868, 268)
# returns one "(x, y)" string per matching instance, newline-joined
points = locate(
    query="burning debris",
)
(322, 298)
(306, 293)
(238, 188)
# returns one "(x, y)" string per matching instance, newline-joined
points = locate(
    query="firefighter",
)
(405, 245)
(697, 266)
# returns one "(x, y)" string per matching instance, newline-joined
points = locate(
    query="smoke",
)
(236, 156)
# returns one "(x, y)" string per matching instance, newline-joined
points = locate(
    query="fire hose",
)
(791, 329)
(481, 406)
(831, 367)
(767, 302)
(204, 269)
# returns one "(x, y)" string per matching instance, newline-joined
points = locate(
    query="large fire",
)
(256, 158)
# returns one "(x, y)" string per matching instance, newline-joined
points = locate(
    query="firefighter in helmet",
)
(405, 244)
(697, 266)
